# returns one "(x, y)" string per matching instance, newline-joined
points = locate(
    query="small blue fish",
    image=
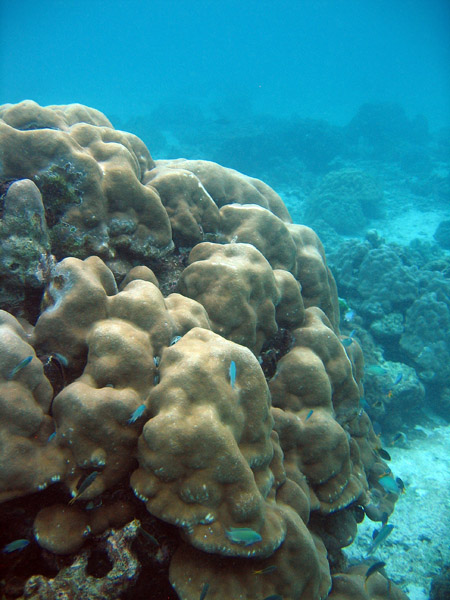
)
(23, 363)
(309, 415)
(373, 569)
(204, 591)
(375, 370)
(266, 570)
(389, 485)
(16, 545)
(174, 340)
(232, 373)
(243, 535)
(84, 485)
(347, 341)
(398, 379)
(274, 597)
(137, 414)
(62, 359)
(349, 315)
(381, 536)
(51, 437)
(148, 536)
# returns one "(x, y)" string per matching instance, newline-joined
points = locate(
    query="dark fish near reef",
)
(384, 518)
(274, 597)
(375, 370)
(378, 404)
(85, 484)
(243, 535)
(373, 569)
(266, 570)
(400, 484)
(23, 363)
(232, 373)
(204, 591)
(137, 414)
(347, 342)
(148, 536)
(16, 545)
(400, 436)
(54, 370)
(380, 537)
(384, 455)
(359, 513)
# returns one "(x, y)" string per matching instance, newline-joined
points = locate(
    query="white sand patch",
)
(410, 224)
(419, 545)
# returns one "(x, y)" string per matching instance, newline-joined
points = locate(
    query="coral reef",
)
(345, 200)
(442, 234)
(402, 297)
(186, 357)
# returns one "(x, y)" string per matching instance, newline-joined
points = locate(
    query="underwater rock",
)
(442, 234)
(346, 200)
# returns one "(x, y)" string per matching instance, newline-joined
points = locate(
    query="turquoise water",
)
(319, 59)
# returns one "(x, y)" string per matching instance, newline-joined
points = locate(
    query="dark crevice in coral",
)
(169, 268)
(58, 186)
(274, 349)
(99, 563)
(32, 303)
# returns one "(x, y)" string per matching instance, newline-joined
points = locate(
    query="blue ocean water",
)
(314, 58)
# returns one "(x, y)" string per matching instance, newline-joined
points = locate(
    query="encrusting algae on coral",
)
(136, 387)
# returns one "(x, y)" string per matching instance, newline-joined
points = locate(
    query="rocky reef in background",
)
(178, 408)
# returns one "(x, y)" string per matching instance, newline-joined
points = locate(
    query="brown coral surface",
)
(185, 360)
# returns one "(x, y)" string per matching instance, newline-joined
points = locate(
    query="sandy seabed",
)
(419, 545)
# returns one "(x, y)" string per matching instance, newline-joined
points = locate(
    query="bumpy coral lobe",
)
(113, 209)
(207, 450)
(27, 462)
(316, 375)
(205, 453)
(237, 287)
(191, 210)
